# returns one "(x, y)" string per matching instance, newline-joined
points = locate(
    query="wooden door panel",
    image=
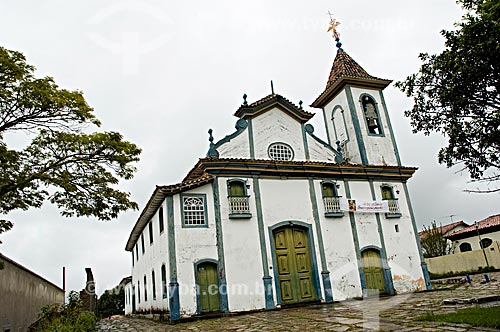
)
(294, 265)
(306, 289)
(208, 287)
(374, 274)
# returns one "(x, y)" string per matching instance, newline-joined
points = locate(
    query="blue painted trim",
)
(243, 181)
(381, 126)
(250, 139)
(388, 281)
(241, 126)
(195, 265)
(326, 126)
(326, 145)
(267, 279)
(173, 286)
(355, 123)
(325, 274)
(425, 272)
(304, 139)
(355, 240)
(312, 254)
(220, 246)
(204, 196)
(393, 139)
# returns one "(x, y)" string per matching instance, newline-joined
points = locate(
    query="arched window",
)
(280, 151)
(164, 280)
(239, 205)
(160, 217)
(145, 289)
(392, 201)
(236, 188)
(465, 247)
(371, 115)
(485, 243)
(153, 283)
(331, 199)
(387, 193)
(138, 291)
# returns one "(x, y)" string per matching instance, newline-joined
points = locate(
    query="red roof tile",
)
(345, 68)
(483, 225)
(445, 229)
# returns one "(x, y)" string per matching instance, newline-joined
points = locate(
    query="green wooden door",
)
(374, 275)
(294, 265)
(208, 287)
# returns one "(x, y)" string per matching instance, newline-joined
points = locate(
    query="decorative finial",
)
(210, 138)
(333, 28)
(300, 104)
(272, 87)
(245, 99)
(212, 151)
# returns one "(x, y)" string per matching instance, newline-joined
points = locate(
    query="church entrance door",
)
(374, 275)
(208, 287)
(294, 265)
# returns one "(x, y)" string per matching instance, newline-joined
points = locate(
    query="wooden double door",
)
(374, 273)
(208, 287)
(294, 266)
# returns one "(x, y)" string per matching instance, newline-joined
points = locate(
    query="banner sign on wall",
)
(353, 205)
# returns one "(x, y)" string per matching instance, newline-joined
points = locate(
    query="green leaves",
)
(76, 171)
(457, 93)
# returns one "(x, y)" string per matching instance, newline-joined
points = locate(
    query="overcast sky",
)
(162, 74)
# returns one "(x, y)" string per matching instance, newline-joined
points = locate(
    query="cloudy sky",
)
(163, 73)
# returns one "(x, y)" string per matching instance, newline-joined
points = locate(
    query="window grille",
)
(280, 151)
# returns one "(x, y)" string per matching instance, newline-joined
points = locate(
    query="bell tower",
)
(355, 112)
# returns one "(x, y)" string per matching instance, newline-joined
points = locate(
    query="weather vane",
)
(333, 27)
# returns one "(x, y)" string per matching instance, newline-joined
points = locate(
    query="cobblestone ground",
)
(396, 313)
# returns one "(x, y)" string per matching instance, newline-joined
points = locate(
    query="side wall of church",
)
(154, 256)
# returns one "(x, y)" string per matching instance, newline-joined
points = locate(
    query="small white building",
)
(480, 235)
(275, 216)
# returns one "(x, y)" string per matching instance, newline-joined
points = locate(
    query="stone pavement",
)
(396, 313)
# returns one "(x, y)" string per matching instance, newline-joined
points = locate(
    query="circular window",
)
(280, 151)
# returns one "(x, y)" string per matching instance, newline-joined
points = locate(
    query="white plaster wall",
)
(237, 147)
(379, 149)
(155, 255)
(318, 152)
(473, 240)
(352, 145)
(276, 126)
(366, 223)
(192, 245)
(285, 200)
(128, 298)
(339, 249)
(242, 254)
(401, 247)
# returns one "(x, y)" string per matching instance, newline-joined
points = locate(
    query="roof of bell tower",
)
(346, 71)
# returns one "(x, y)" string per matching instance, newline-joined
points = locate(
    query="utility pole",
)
(481, 244)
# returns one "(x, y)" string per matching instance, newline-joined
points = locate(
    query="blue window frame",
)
(194, 210)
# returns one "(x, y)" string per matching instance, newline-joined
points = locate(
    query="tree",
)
(457, 93)
(433, 242)
(111, 302)
(64, 164)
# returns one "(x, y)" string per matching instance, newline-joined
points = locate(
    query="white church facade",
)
(275, 216)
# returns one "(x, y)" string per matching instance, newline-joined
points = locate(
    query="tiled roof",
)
(258, 106)
(491, 223)
(345, 68)
(195, 178)
(445, 229)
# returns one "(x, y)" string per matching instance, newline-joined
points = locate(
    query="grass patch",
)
(485, 317)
